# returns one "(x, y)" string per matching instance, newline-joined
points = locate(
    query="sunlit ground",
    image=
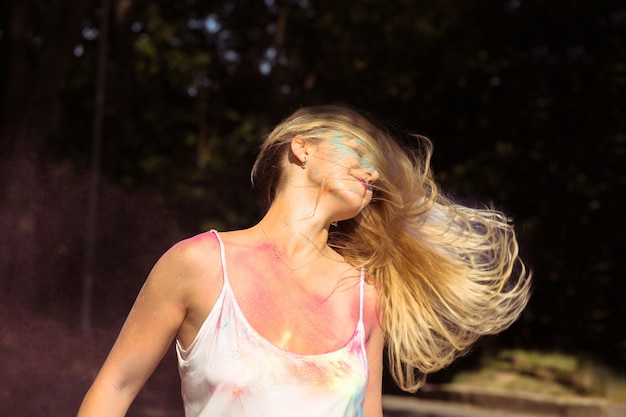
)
(548, 373)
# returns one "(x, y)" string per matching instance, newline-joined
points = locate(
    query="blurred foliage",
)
(521, 98)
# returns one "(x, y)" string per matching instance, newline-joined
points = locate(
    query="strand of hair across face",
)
(447, 274)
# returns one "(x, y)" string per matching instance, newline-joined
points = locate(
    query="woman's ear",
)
(299, 148)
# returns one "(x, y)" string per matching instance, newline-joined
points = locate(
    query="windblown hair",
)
(446, 273)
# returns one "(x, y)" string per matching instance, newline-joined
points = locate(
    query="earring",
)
(303, 164)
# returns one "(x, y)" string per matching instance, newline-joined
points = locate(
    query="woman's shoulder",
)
(193, 270)
(196, 255)
(202, 243)
(203, 252)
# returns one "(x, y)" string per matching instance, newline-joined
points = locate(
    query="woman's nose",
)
(371, 175)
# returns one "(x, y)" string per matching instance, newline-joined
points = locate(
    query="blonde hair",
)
(447, 274)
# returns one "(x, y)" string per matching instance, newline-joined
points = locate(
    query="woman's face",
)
(341, 167)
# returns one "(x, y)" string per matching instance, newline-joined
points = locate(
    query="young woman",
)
(357, 251)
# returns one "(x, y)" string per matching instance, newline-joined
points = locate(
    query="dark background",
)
(523, 100)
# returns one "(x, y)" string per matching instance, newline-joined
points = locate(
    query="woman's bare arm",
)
(154, 320)
(374, 350)
(373, 394)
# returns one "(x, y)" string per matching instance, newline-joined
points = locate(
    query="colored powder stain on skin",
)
(343, 149)
(265, 247)
(319, 299)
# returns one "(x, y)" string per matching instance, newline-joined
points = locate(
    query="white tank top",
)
(230, 370)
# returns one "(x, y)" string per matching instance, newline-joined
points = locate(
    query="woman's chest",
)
(298, 318)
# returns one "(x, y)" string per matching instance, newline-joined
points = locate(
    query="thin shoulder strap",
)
(362, 285)
(222, 255)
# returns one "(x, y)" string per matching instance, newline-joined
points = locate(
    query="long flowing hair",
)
(446, 273)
